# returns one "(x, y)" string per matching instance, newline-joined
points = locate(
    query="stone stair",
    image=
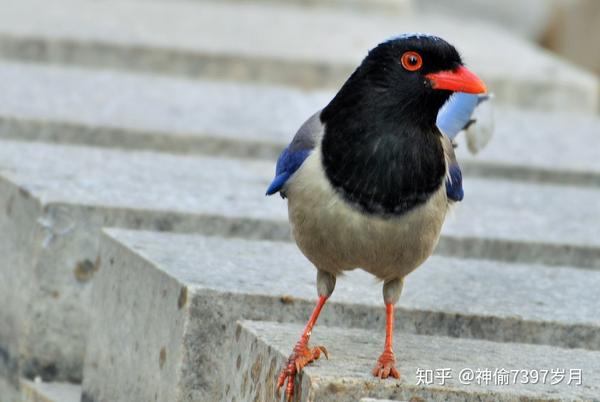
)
(179, 297)
(402, 7)
(70, 105)
(55, 211)
(261, 42)
(346, 376)
(141, 260)
(50, 392)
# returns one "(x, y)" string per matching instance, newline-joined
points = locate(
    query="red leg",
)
(386, 364)
(302, 354)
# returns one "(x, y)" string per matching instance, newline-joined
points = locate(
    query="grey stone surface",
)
(403, 7)
(514, 221)
(112, 109)
(57, 197)
(18, 233)
(8, 391)
(50, 392)
(498, 219)
(500, 305)
(274, 44)
(262, 349)
(376, 400)
(54, 200)
(145, 276)
(527, 18)
(553, 147)
(143, 111)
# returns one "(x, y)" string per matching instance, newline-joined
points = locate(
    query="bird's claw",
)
(386, 366)
(300, 357)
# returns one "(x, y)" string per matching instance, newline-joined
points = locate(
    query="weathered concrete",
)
(403, 7)
(541, 147)
(19, 233)
(50, 392)
(261, 349)
(498, 219)
(177, 296)
(376, 400)
(527, 18)
(8, 391)
(119, 109)
(56, 198)
(268, 43)
(112, 109)
(515, 221)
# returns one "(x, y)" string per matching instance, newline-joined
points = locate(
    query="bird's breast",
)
(336, 235)
(384, 172)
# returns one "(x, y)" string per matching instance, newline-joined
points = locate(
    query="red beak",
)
(459, 80)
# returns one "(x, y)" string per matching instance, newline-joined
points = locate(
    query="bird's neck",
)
(381, 163)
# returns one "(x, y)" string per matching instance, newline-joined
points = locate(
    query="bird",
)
(369, 178)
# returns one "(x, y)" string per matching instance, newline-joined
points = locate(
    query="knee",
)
(392, 290)
(325, 283)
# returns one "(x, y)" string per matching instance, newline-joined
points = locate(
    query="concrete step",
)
(514, 221)
(376, 400)
(37, 391)
(402, 7)
(23, 390)
(540, 147)
(498, 219)
(261, 349)
(175, 343)
(280, 44)
(528, 19)
(134, 111)
(142, 111)
(9, 392)
(56, 198)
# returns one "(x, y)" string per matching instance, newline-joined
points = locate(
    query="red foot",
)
(300, 357)
(386, 366)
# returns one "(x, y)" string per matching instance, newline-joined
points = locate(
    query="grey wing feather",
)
(308, 135)
(296, 153)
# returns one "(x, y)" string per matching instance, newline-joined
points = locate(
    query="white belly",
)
(336, 237)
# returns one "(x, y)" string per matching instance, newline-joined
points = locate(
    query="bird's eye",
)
(411, 61)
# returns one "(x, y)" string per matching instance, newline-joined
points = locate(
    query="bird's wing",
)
(456, 114)
(454, 189)
(296, 153)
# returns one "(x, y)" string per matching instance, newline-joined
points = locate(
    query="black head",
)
(381, 148)
(410, 76)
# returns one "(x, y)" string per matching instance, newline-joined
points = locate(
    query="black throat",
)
(384, 159)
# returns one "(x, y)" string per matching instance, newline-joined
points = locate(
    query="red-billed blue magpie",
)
(370, 177)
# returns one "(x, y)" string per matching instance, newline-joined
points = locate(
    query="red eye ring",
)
(411, 61)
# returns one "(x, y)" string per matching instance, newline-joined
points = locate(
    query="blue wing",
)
(454, 189)
(287, 164)
(294, 155)
(456, 114)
